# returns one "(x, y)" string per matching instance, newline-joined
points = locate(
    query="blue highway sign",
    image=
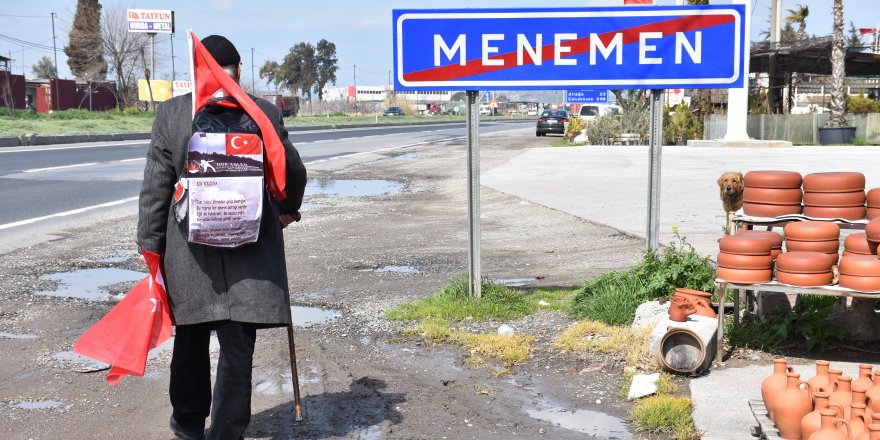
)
(612, 47)
(586, 96)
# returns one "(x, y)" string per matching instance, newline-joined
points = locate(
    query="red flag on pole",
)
(638, 2)
(211, 81)
(140, 322)
(864, 31)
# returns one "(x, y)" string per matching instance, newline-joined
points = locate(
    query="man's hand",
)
(287, 219)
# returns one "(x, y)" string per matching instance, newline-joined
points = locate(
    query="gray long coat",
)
(245, 284)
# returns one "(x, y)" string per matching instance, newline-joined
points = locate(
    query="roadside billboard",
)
(151, 21)
(181, 88)
(609, 47)
(162, 90)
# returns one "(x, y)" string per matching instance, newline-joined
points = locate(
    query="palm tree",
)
(838, 73)
(799, 16)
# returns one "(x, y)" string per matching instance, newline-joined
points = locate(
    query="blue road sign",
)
(586, 96)
(613, 47)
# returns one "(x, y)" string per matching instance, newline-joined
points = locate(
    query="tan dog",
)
(731, 187)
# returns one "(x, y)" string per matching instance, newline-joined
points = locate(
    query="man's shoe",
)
(183, 434)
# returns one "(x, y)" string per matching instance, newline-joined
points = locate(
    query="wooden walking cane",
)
(297, 405)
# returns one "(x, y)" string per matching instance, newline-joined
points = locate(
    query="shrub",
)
(807, 325)
(575, 126)
(861, 104)
(602, 129)
(665, 414)
(75, 113)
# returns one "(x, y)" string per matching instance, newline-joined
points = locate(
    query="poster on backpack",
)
(225, 184)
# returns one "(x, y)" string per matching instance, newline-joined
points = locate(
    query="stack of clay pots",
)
(813, 236)
(744, 259)
(774, 238)
(860, 268)
(829, 407)
(873, 200)
(805, 269)
(857, 244)
(835, 195)
(772, 193)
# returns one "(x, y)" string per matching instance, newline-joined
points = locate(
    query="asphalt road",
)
(45, 188)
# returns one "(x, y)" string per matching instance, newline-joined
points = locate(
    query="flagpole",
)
(192, 70)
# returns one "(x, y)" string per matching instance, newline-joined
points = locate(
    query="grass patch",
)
(511, 350)
(665, 414)
(305, 120)
(806, 325)
(74, 121)
(453, 303)
(618, 341)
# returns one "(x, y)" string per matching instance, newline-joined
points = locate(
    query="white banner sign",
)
(151, 21)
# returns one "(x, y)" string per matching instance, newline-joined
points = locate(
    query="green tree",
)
(854, 39)
(298, 70)
(269, 72)
(838, 73)
(44, 68)
(325, 64)
(85, 49)
(799, 16)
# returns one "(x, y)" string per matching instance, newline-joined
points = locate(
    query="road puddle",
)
(5, 335)
(514, 282)
(309, 316)
(39, 404)
(392, 269)
(88, 284)
(404, 156)
(270, 383)
(351, 188)
(592, 423)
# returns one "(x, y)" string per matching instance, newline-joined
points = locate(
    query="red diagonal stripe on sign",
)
(578, 46)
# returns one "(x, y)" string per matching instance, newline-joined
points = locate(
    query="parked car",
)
(289, 105)
(552, 121)
(394, 111)
(589, 112)
(486, 110)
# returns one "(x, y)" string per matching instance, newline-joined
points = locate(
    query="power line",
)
(22, 16)
(26, 43)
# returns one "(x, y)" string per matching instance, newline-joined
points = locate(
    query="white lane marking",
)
(385, 149)
(76, 165)
(66, 213)
(29, 149)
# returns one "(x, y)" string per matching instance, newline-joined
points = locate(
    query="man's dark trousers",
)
(190, 388)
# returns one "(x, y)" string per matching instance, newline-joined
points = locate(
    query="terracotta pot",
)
(774, 237)
(851, 213)
(773, 179)
(775, 253)
(872, 198)
(734, 261)
(865, 266)
(827, 246)
(702, 301)
(790, 407)
(862, 284)
(804, 262)
(769, 211)
(829, 430)
(858, 421)
(774, 384)
(842, 395)
(873, 395)
(834, 182)
(680, 309)
(738, 276)
(820, 382)
(872, 434)
(864, 381)
(773, 196)
(872, 212)
(858, 243)
(804, 279)
(872, 230)
(833, 375)
(744, 245)
(851, 254)
(812, 422)
(853, 198)
(811, 231)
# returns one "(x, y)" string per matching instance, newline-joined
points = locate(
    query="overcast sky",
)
(360, 29)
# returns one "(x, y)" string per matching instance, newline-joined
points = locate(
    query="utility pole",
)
(355, 75)
(55, 51)
(253, 87)
(173, 75)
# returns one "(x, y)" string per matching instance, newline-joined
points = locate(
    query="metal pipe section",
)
(473, 127)
(652, 236)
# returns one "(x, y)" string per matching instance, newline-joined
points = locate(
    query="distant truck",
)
(288, 105)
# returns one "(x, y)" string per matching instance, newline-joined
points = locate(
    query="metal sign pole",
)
(473, 126)
(652, 237)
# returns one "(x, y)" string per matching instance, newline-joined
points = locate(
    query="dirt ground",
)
(361, 379)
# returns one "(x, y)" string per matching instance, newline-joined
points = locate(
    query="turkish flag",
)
(140, 322)
(638, 2)
(238, 143)
(211, 81)
(864, 31)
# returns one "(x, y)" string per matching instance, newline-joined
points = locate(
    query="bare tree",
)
(122, 49)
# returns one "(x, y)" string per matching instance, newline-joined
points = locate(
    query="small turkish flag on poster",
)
(638, 2)
(239, 143)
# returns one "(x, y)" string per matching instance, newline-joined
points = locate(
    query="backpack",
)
(219, 195)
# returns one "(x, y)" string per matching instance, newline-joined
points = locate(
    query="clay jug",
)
(812, 422)
(790, 407)
(680, 309)
(833, 375)
(774, 384)
(873, 395)
(858, 394)
(864, 379)
(858, 423)
(829, 430)
(819, 382)
(842, 395)
(872, 434)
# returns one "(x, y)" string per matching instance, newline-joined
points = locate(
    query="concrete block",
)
(10, 142)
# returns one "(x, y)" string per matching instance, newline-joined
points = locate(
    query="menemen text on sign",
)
(150, 20)
(613, 47)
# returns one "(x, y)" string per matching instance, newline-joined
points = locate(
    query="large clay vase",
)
(858, 422)
(819, 382)
(873, 395)
(774, 384)
(702, 301)
(872, 434)
(859, 394)
(680, 309)
(842, 395)
(812, 422)
(829, 430)
(864, 380)
(833, 375)
(790, 407)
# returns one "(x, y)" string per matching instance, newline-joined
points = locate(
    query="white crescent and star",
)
(237, 147)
